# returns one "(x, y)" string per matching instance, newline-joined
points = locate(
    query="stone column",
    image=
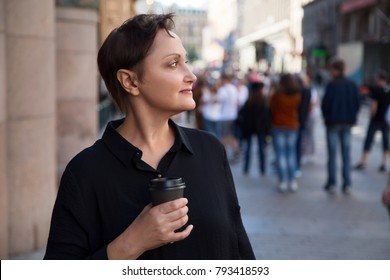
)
(3, 186)
(31, 141)
(77, 81)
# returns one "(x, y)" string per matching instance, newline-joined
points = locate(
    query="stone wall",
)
(31, 139)
(3, 186)
(48, 109)
(77, 81)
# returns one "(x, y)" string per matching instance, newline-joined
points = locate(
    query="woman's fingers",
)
(173, 212)
(182, 234)
(168, 216)
(170, 206)
(174, 220)
(161, 222)
(178, 223)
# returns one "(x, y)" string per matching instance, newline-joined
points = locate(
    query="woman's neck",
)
(153, 137)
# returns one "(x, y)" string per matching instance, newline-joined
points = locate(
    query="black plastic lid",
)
(166, 182)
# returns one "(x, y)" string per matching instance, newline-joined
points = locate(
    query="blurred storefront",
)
(356, 30)
(274, 34)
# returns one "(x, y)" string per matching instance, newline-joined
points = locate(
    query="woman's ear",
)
(128, 80)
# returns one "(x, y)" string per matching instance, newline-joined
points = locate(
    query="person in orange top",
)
(284, 107)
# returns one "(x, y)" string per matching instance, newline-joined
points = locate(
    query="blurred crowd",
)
(282, 110)
(270, 108)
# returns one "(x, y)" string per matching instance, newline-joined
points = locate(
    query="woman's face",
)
(167, 81)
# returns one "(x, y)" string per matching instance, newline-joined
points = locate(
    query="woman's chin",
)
(189, 106)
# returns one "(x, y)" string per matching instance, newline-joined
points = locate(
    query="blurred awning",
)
(262, 33)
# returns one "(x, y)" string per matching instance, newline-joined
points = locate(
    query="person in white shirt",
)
(227, 96)
(243, 92)
(210, 110)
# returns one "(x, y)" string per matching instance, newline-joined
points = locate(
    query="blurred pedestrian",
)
(340, 106)
(199, 88)
(266, 80)
(252, 76)
(303, 113)
(243, 93)
(227, 95)
(103, 208)
(285, 123)
(210, 111)
(380, 100)
(255, 121)
(311, 123)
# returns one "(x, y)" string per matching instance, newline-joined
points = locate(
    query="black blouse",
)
(104, 188)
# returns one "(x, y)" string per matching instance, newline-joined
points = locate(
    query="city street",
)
(311, 224)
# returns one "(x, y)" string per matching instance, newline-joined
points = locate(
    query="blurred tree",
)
(192, 54)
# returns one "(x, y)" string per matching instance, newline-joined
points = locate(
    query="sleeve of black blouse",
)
(68, 238)
(245, 248)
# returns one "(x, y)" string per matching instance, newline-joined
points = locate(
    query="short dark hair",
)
(383, 75)
(226, 77)
(337, 64)
(126, 47)
(288, 84)
(257, 86)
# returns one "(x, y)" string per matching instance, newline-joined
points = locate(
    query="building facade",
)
(269, 34)
(113, 13)
(356, 30)
(189, 25)
(48, 109)
(220, 33)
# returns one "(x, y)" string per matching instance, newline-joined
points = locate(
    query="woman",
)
(285, 123)
(211, 111)
(255, 119)
(103, 208)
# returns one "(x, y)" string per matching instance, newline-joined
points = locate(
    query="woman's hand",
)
(154, 227)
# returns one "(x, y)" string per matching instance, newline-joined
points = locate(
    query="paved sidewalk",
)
(312, 224)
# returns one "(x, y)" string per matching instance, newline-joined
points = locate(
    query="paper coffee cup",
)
(166, 189)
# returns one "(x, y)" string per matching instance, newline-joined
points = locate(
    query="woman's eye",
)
(173, 64)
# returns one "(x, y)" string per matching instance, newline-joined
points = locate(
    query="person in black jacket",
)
(339, 106)
(380, 100)
(103, 208)
(255, 120)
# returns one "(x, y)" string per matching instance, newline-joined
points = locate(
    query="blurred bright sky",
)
(184, 3)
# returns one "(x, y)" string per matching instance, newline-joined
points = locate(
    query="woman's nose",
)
(190, 76)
